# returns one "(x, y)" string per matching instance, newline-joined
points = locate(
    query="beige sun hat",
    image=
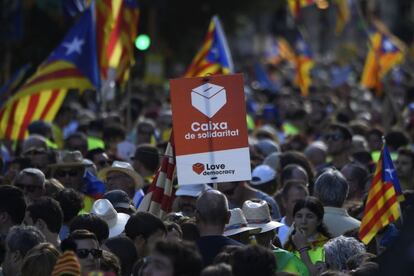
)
(116, 221)
(68, 159)
(238, 224)
(123, 167)
(257, 214)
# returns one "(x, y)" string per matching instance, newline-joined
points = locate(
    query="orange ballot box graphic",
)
(210, 131)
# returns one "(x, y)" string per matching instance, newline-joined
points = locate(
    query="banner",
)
(210, 131)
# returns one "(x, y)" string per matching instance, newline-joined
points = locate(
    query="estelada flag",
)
(382, 206)
(304, 65)
(383, 55)
(72, 65)
(214, 56)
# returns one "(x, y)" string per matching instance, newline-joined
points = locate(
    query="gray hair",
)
(331, 188)
(23, 238)
(35, 173)
(338, 250)
(213, 208)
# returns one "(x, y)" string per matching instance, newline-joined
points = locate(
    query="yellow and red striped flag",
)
(279, 50)
(383, 55)
(72, 65)
(214, 56)
(304, 65)
(382, 206)
(117, 25)
(296, 5)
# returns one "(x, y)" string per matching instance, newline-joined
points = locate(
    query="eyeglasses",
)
(71, 173)
(28, 188)
(83, 253)
(333, 137)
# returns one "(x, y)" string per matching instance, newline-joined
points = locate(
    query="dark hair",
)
(397, 139)
(143, 224)
(407, 152)
(316, 207)
(295, 157)
(45, 254)
(112, 130)
(360, 173)
(92, 223)
(77, 135)
(344, 129)
(12, 202)
(190, 231)
(23, 238)
(71, 202)
(91, 153)
(183, 255)
(80, 234)
(287, 172)
(110, 263)
(220, 269)
(148, 155)
(253, 260)
(124, 248)
(48, 210)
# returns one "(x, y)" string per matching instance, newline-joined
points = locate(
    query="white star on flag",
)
(388, 45)
(389, 171)
(74, 46)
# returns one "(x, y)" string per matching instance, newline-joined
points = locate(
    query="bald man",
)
(212, 214)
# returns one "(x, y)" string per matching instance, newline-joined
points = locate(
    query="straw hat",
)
(67, 159)
(123, 167)
(258, 215)
(238, 224)
(116, 221)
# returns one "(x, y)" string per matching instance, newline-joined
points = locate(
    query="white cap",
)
(193, 190)
(262, 174)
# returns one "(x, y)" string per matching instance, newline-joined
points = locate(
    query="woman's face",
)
(307, 222)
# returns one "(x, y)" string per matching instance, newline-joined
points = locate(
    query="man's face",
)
(70, 177)
(230, 190)
(187, 205)
(89, 254)
(38, 158)
(335, 141)
(77, 144)
(293, 196)
(101, 160)
(31, 188)
(404, 167)
(120, 181)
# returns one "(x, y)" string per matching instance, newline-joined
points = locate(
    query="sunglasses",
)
(333, 137)
(71, 173)
(83, 253)
(27, 188)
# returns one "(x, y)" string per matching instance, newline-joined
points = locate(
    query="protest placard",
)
(210, 131)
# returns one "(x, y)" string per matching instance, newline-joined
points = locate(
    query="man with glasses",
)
(338, 138)
(70, 171)
(87, 249)
(32, 182)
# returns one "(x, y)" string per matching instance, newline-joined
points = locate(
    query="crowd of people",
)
(71, 192)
